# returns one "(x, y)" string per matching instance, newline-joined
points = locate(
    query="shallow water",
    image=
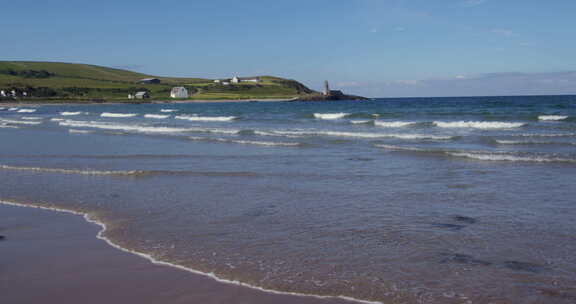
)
(439, 200)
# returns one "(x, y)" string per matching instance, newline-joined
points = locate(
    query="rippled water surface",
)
(439, 200)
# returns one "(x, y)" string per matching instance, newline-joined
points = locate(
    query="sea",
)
(410, 200)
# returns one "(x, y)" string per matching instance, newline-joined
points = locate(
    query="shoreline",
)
(57, 103)
(256, 294)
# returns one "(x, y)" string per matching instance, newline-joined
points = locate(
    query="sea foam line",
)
(168, 110)
(76, 171)
(156, 116)
(247, 142)
(478, 124)
(20, 122)
(102, 236)
(394, 124)
(70, 113)
(26, 111)
(352, 134)
(514, 158)
(117, 115)
(330, 116)
(206, 118)
(552, 117)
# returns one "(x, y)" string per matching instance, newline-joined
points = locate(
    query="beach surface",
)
(56, 256)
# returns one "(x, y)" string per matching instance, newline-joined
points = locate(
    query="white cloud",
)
(491, 84)
(503, 32)
(471, 3)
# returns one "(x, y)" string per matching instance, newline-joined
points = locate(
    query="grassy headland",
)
(67, 82)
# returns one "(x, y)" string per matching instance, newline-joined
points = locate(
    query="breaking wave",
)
(26, 110)
(552, 117)
(31, 118)
(487, 156)
(401, 148)
(531, 142)
(478, 124)
(361, 122)
(352, 134)
(168, 110)
(70, 113)
(394, 124)
(117, 115)
(141, 128)
(206, 118)
(156, 116)
(247, 142)
(79, 131)
(19, 122)
(126, 173)
(329, 116)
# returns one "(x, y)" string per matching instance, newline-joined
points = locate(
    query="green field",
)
(54, 81)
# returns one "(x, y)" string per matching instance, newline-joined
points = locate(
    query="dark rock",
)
(2, 237)
(556, 293)
(465, 219)
(456, 258)
(522, 266)
(452, 227)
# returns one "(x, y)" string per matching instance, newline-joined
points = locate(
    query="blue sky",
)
(377, 48)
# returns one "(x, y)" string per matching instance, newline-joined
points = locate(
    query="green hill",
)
(67, 81)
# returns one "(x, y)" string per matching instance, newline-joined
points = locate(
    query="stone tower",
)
(326, 88)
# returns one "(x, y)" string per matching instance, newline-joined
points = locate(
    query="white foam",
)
(26, 110)
(117, 115)
(352, 134)
(141, 128)
(330, 116)
(156, 116)
(13, 109)
(57, 119)
(478, 124)
(20, 122)
(552, 117)
(547, 135)
(399, 148)
(2, 108)
(360, 122)
(394, 124)
(31, 118)
(79, 131)
(206, 118)
(531, 142)
(247, 142)
(168, 110)
(121, 127)
(70, 171)
(5, 126)
(102, 236)
(70, 113)
(506, 157)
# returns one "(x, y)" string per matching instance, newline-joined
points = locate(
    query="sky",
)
(375, 48)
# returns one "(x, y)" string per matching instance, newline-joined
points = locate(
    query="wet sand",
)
(54, 257)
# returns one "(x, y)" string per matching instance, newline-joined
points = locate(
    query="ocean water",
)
(428, 200)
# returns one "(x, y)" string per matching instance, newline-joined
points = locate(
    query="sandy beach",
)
(55, 257)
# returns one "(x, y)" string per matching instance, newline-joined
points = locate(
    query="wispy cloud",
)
(471, 3)
(503, 32)
(506, 83)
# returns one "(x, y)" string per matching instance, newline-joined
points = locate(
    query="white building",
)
(179, 92)
(236, 79)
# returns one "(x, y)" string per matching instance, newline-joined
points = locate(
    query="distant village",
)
(182, 92)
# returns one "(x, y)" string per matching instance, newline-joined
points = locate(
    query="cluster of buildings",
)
(12, 93)
(236, 80)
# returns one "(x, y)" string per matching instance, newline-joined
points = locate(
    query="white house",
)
(179, 92)
(236, 79)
